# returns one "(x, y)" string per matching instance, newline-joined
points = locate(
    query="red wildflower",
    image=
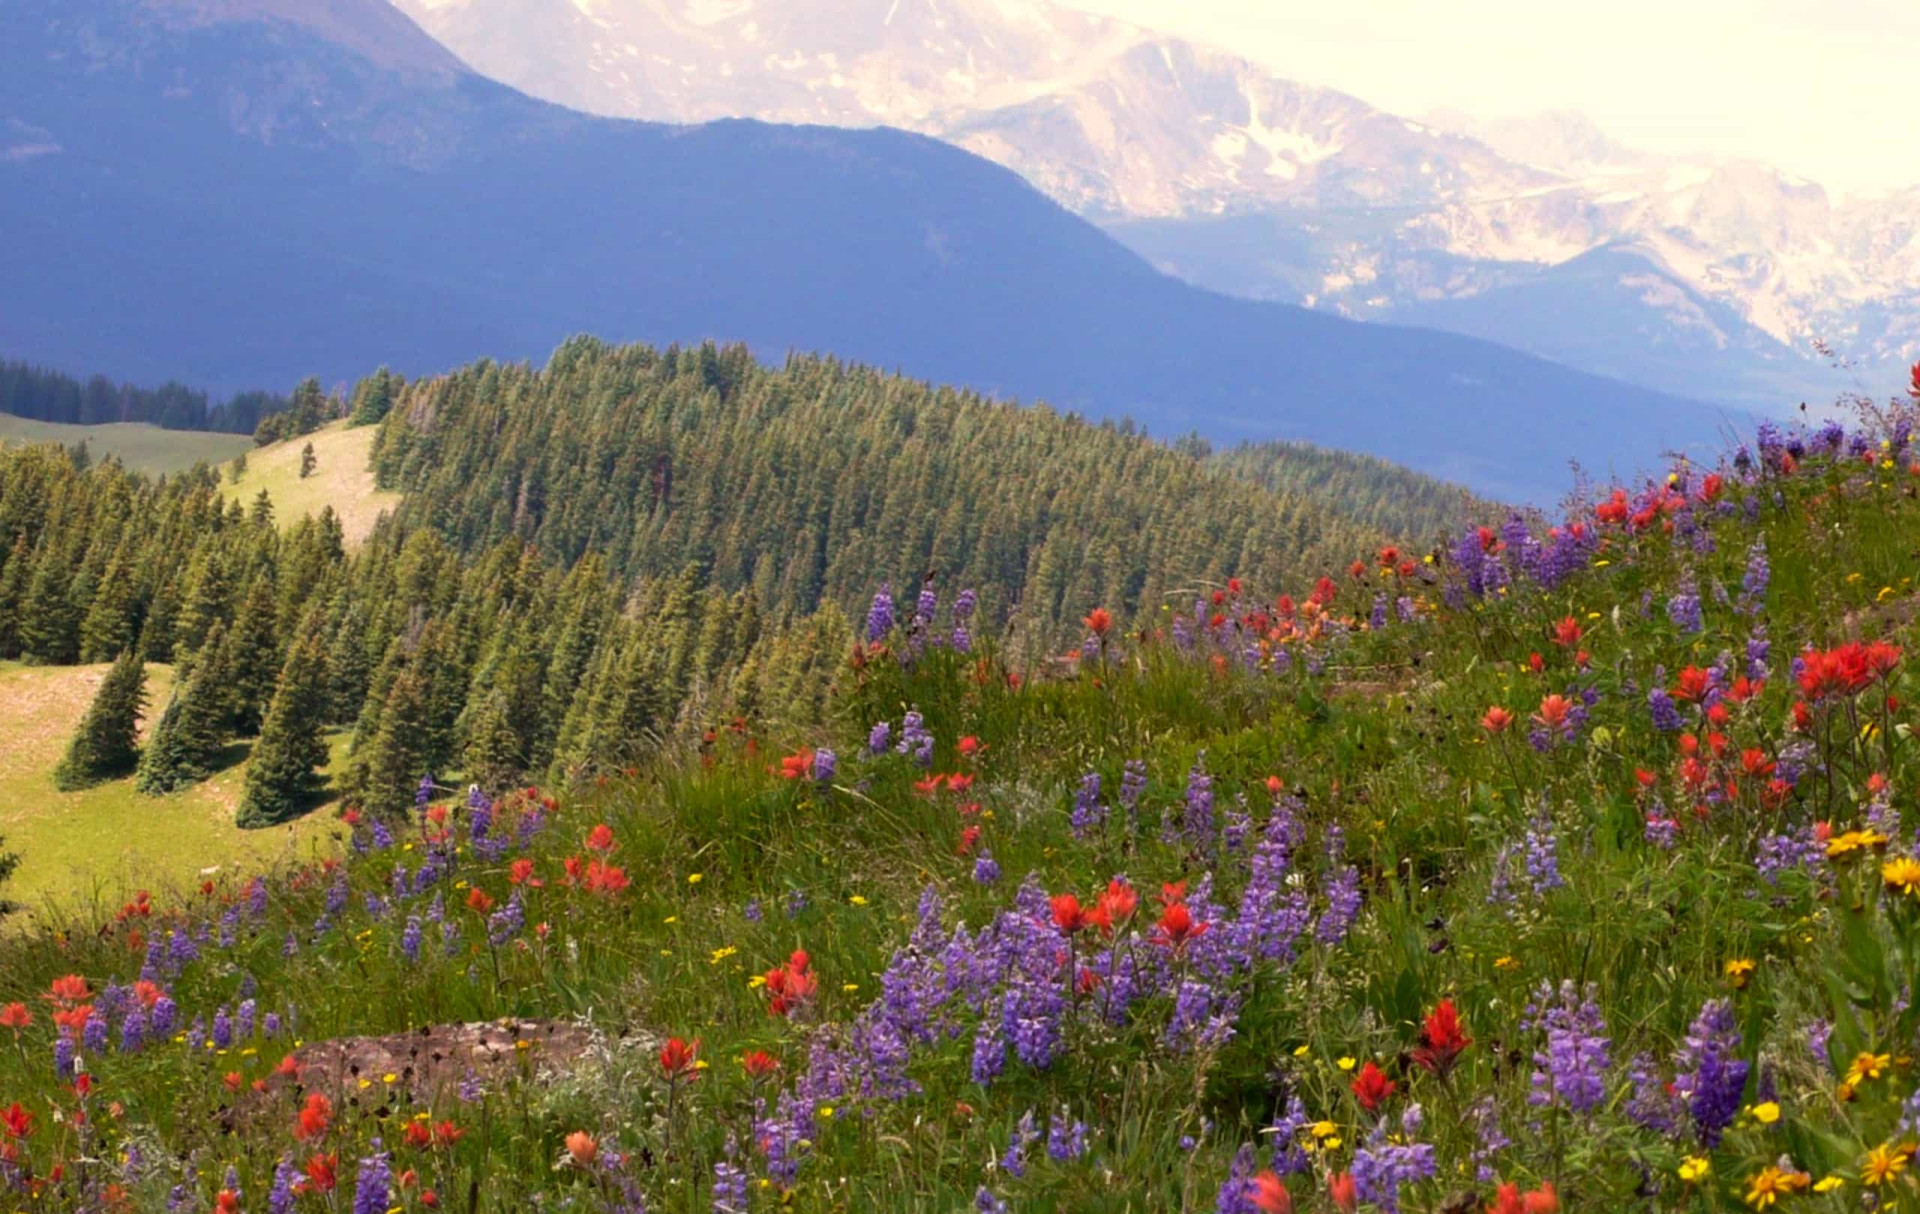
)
(679, 1059)
(1118, 901)
(1543, 1200)
(315, 1116)
(791, 985)
(1176, 927)
(1067, 914)
(1506, 1200)
(929, 786)
(479, 901)
(1269, 1195)
(797, 766)
(1614, 509)
(1756, 763)
(323, 1172)
(70, 988)
(1372, 1087)
(226, 1201)
(419, 1135)
(520, 871)
(234, 1080)
(16, 1121)
(959, 783)
(968, 746)
(15, 1016)
(1567, 632)
(1442, 1040)
(1914, 389)
(1098, 621)
(1496, 719)
(600, 839)
(608, 879)
(582, 1150)
(1553, 712)
(969, 838)
(1693, 685)
(759, 1064)
(1340, 1188)
(1536, 663)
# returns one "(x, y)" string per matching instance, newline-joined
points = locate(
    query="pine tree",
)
(237, 468)
(308, 461)
(255, 648)
(188, 738)
(9, 861)
(396, 759)
(112, 619)
(281, 771)
(105, 746)
(49, 626)
(494, 755)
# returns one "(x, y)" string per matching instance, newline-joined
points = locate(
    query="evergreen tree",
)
(49, 626)
(255, 665)
(390, 770)
(9, 862)
(188, 738)
(105, 745)
(308, 461)
(281, 770)
(237, 468)
(112, 620)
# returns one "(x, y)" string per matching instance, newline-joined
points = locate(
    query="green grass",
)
(83, 849)
(139, 446)
(340, 479)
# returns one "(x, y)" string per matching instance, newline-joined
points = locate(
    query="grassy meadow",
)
(340, 479)
(140, 447)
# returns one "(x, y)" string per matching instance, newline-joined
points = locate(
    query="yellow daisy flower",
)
(1901, 875)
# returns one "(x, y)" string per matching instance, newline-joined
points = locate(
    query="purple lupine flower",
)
(1088, 813)
(243, 1019)
(165, 1011)
(1014, 1161)
(796, 902)
(1666, 717)
(915, 740)
(222, 1030)
(1235, 1196)
(280, 1197)
(1066, 1138)
(1819, 1032)
(1489, 1138)
(471, 1089)
(424, 792)
(1571, 1065)
(1683, 609)
(93, 1037)
(986, 870)
(1712, 1078)
(1197, 823)
(257, 897)
(1662, 828)
(1758, 649)
(1653, 1105)
(880, 615)
(1753, 584)
(1288, 1157)
(1543, 855)
(824, 764)
(962, 640)
(729, 1183)
(984, 1202)
(1789, 851)
(925, 605)
(133, 1028)
(410, 940)
(878, 738)
(989, 1050)
(1133, 784)
(1382, 1168)
(63, 1056)
(270, 1026)
(373, 1184)
(1378, 619)
(753, 913)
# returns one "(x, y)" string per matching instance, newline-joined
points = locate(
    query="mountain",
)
(239, 197)
(1329, 202)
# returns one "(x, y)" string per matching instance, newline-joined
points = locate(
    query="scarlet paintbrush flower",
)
(519, 871)
(1543, 1200)
(1118, 901)
(418, 1134)
(958, 782)
(1756, 763)
(1693, 685)
(1340, 1187)
(600, 839)
(1442, 1040)
(678, 1059)
(479, 901)
(1553, 712)
(1067, 914)
(797, 766)
(289, 1067)
(234, 1080)
(315, 1116)
(1098, 621)
(790, 985)
(1506, 1200)
(1177, 928)
(1567, 632)
(445, 1133)
(582, 1150)
(1269, 1195)
(1496, 719)
(69, 988)
(608, 879)
(323, 1172)
(1914, 389)
(968, 746)
(15, 1016)
(1536, 663)
(226, 1201)
(1372, 1087)
(969, 838)
(1172, 892)
(759, 1064)
(16, 1121)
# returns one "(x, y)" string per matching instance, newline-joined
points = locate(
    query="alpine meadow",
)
(905, 704)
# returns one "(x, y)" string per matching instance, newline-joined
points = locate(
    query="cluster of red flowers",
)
(1846, 669)
(791, 986)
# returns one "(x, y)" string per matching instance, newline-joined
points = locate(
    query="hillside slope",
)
(192, 161)
(139, 446)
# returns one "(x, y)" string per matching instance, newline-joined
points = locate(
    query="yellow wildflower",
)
(1772, 1183)
(1695, 1167)
(1766, 1113)
(1902, 876)
(1827, 1184)
(1346, 1064)
(721, 954)
(1885, 1162)
(1867, 1066)
(1739, 971)
(696, 878)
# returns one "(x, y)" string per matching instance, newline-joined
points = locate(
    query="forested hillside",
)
(811, 482)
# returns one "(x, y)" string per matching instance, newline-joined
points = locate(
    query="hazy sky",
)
(1827, 89)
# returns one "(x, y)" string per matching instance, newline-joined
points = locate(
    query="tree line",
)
(43, 394)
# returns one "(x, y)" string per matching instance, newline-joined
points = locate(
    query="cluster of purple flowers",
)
(1570, 1065)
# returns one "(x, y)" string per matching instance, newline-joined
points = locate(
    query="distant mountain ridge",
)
(237, 200)
(1441, 220)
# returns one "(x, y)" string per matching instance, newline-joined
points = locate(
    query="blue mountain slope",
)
(237, 192)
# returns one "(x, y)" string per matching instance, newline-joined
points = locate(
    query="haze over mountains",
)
(235, 193)
(1704, 276)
